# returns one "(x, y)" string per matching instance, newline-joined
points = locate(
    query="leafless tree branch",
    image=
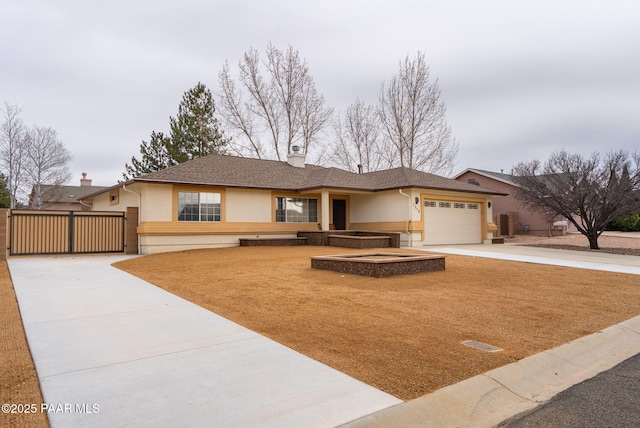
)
(413, 120)
(589, 192)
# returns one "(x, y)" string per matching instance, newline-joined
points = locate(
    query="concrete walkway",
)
(112, 350)
(488, 399)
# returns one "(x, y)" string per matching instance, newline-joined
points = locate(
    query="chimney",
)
(359, 168)
(295, 158)
(84, 181)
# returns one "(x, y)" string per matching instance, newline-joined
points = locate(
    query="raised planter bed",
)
(379, 264)
(322, 237)
(348, 241)
(272, 242)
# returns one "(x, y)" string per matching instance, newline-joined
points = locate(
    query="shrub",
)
(627, 223)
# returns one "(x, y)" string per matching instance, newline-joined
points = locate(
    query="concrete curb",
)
(490, 398)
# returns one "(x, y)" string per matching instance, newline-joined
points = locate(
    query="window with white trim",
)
(472, 206)
(199, 206)
(458, 205)
(296, 210)
(444, 204)
(430, 204)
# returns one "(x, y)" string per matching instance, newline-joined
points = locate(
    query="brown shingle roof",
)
(231, 171)
(52, 194)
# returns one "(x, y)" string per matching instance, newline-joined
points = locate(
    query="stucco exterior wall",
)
(125, 199)
(152, 244)
(248, 205)
(379, 207)
(248, 213)
(157, 202)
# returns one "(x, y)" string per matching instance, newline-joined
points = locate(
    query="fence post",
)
(71, 232)
(131, 230)
(4, 221)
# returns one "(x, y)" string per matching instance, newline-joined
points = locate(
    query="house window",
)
(431, 204)
(472, 206)
(113, 197)
(444, 204)
(296, 210)
(198, 206)
(458, 205)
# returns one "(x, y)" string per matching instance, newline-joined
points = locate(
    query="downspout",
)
(124, 187)
(409, 218)
(86, 205)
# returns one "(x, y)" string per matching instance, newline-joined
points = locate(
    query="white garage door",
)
(448, 222)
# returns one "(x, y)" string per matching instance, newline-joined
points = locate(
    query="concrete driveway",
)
(112, 350)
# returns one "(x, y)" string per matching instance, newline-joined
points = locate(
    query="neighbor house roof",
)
(53, 194)
(505, 178)
(232, 171)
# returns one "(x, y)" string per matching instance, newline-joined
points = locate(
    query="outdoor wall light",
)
(417, 200)
(489, 204)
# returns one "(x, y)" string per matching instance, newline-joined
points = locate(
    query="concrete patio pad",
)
(113, 350)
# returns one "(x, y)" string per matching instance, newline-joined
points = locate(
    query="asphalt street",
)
(610, 399)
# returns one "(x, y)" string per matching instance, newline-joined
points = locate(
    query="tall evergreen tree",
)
(155, 156)
(5, 197)
(194, 131)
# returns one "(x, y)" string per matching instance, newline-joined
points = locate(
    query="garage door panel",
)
(448, 223)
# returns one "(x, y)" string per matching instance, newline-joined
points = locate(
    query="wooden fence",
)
(35, 232)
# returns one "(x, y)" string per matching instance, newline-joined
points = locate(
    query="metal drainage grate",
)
(482, 346)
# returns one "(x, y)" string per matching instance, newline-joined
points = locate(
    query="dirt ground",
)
(576, 241)
(400, 334)
(18, 380)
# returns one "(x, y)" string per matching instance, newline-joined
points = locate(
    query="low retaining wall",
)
(272, 242)
(348, 241)
(379, 265)
(322, 237)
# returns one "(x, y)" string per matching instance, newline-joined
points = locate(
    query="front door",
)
(339, 214)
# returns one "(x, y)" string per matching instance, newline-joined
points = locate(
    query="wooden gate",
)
(66, 232)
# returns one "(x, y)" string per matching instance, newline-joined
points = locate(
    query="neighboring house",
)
(215, 200)
(528, 219)
(67, 198)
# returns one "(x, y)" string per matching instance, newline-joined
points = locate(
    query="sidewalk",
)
(112, 350)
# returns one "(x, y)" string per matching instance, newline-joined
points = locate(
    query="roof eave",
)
(484, 174)
(105, 190)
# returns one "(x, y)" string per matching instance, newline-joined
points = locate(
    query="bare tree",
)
(413, 119)
(588, 192)
(46, 162)
(238, 116)
(357, 139)
(13, 141)
(281, 105)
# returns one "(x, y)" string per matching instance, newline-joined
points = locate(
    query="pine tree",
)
(155, 156)
(194, 131)
(5, 197)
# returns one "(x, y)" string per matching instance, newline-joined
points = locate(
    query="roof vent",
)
(295, 158)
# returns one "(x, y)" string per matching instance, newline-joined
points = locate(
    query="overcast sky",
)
(519, 79)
